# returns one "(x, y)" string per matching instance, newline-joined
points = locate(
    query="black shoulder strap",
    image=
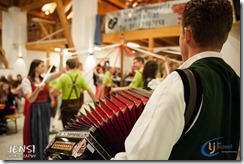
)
(192, 94)
(73, 86)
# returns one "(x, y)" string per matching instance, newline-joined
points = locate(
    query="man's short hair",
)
(140, 59)
(71, 63)
(210, 21)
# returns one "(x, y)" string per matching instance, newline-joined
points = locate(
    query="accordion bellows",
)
(99, 132)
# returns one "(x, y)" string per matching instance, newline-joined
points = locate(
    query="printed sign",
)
(146, 16)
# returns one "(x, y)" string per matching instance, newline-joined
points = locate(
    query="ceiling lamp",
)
(49, 8)
(134, 45)
(134, 4)
(70, 15)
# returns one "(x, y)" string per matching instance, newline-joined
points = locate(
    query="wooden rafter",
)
(43, 45)
(43, 20)
(160, 42)
(65, 23)
(3, 57)
(42, 15)
(5, 3)
(163, 32)
(44, 30)
(3, 8)
(117, 3)
(52, 34)
(12, 3)
(36, 4)
(171, 40)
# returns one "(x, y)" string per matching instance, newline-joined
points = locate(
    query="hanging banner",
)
(145, 16)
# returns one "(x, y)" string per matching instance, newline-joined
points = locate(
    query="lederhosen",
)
(70, 107)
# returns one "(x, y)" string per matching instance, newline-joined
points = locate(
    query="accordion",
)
(99, 132)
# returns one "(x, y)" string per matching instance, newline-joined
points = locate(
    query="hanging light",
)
(70, 15)
(57, 49)
(134, 4)
(49, 8)
(134, 45)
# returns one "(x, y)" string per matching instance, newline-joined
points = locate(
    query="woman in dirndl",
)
(37, 110)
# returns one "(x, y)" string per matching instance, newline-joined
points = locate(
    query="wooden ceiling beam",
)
(42, 15)
(143, 42)
(65, 23)
(44, 44)
(3, 57)
(39, 20)
(117, 3)
(171, 41)
(36, 4)
(44, 30)
(159, 42)
(3, 8)
(22, 2)
(163, 32)
(5, 3)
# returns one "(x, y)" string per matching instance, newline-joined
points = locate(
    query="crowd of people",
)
(145, 76)
(65, 86)
(10, 93)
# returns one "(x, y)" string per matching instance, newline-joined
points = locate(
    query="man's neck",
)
(193, 52)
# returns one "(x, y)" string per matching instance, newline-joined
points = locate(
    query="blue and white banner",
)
(145, 16)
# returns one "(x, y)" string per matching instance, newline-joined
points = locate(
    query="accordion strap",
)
(192, 95)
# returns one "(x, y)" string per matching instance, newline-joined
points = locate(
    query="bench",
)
(12, 118)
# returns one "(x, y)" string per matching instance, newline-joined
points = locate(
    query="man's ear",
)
(188, 34)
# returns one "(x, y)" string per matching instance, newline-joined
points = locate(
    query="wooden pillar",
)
(121, 58)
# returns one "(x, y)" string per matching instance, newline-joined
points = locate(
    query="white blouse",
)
(26, 85)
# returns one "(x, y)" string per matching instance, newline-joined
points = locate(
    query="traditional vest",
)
(216, 132)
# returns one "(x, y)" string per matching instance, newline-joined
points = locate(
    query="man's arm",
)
(93, 97)
(160, 125)
(135, 83)
(120, 88)
(61, 69)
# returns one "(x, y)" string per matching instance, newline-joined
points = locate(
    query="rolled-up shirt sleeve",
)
(26, 86)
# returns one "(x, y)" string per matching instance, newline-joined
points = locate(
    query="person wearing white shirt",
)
(215, 132)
